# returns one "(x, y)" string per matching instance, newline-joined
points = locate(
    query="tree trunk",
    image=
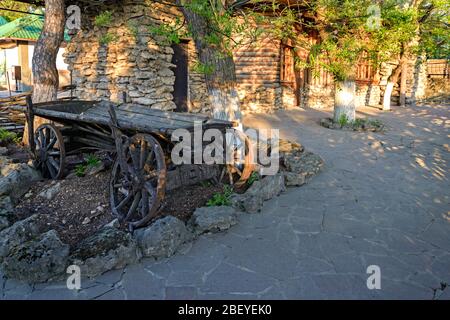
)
(344, 100)
(221, 80)
(45, 73)
(403, 79)
(392, 80)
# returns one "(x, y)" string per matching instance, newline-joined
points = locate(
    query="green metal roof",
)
(3, 21)
(28, 27)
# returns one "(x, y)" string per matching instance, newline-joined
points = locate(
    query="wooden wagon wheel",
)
(239, 172)
(50, 154)
(138, 181)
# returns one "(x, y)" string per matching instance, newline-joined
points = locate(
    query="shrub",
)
(103, 19)
(7, 137)
(221, 199)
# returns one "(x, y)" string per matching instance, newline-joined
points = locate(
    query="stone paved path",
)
(382, 199)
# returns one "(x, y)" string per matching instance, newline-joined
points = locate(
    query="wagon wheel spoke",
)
(144, 154)
(41, 139)
(144, 203)
(47, 135)
(51, 169)
(124, 201)
(52, 143)
(54, 163)
(135, 153)
(134, 205)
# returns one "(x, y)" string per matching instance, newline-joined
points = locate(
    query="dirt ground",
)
(81, 207)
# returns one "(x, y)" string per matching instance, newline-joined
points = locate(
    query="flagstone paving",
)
(382, 199)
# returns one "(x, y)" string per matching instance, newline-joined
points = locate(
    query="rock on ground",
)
(6, 212)
(213, 219)
(20, 232)
(262, 190)
(162, 238)
(293, 179)
(306, 163)
(51, 191)
(37, 260)
(16, 178)
(106, 250)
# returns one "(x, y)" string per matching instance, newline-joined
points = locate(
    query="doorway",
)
(180, 59)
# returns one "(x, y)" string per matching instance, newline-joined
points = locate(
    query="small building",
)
(17, 41)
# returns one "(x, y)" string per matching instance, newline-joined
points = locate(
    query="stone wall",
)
(133, 65)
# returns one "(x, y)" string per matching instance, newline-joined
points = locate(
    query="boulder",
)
(20, 232)
(163, 237)
(214, 219)
(16, 182)
(106, 250)
(306, 163)
(37, 260)
(293, 179)
(262, 190)
(51, 191)
(4, 223)
(6, 212)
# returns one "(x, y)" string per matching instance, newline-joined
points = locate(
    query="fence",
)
(438, 68)
(364, 73)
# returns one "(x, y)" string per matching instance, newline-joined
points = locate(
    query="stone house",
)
(124, 62)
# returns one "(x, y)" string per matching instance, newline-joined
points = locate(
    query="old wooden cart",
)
(140, 140)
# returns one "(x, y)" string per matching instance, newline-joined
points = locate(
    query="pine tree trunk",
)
(221, 80)
(45, 73)
(344, 100)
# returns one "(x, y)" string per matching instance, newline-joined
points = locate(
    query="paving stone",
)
(181, 293)
(139, 284)
(232, 279)
(116, 294)
(402, 290)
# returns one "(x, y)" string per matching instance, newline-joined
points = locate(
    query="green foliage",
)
(15, 5)
(91, 161)
(7, 137)
(107, 38)
(347, 28)
(221, 199)
(80, 170)
(343, 120)
(104, 19)
(253, 177)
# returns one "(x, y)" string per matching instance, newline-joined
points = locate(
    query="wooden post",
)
(9, 84)
(30, 123)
